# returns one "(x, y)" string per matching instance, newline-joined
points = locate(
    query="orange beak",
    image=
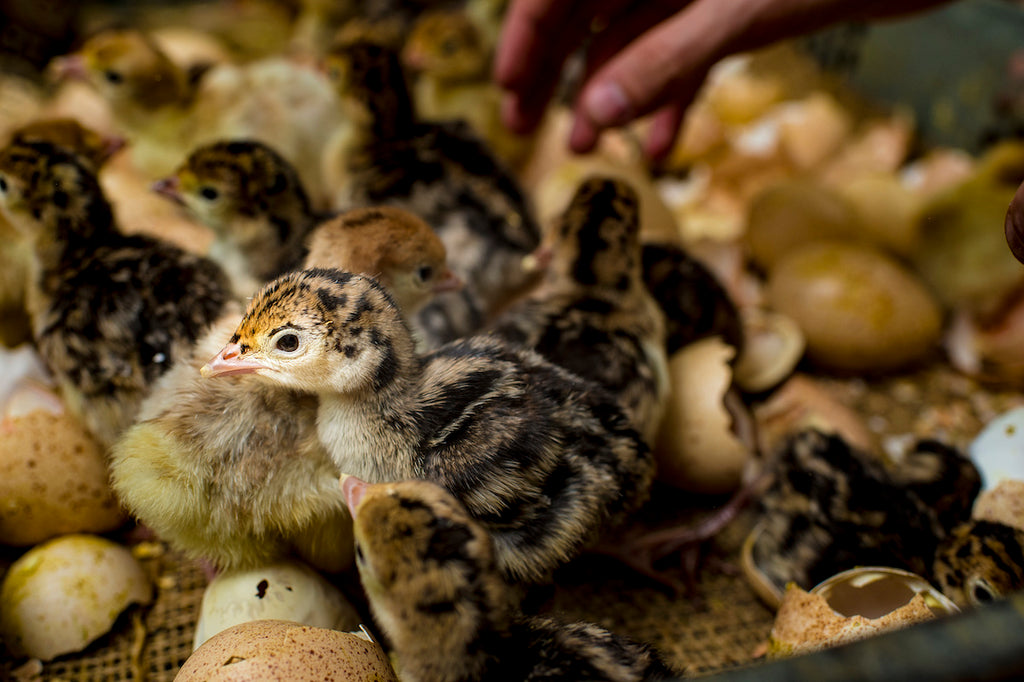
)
(448, 282)
(353, 489)
(169, 187)
(229, 362)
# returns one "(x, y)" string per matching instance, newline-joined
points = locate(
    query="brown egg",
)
(270, 650)
(859, 308)
(53, 478)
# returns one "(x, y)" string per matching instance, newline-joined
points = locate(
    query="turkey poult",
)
(544, 459)
(233, 471)
(430, 575)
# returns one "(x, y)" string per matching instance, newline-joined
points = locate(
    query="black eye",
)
(288, 342)
(3, 184)
(359, 553)
(424, 272)
(449, 47)
(982, 594)
(208, 193)
(113, 77)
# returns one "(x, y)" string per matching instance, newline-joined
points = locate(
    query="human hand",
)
(649, 57)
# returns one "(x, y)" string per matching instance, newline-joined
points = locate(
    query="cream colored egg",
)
(61, 595)
(696, 447)
(273, 650)
(859, 309)
(53, 474)
(286, 590)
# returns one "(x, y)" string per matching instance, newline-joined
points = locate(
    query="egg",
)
(998, 450)
(53, 474)
(273, 650)
(63, 594)
(696, 447)
(859, 308)
(286, 590)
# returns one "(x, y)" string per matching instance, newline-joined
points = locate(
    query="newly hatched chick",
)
(441, 172)
(831, 507)
(110, 313)
(165, 110)
(979, 562)
(233, 471)
(430, 575)
(253, 200)
(451, 57)
(592, 312)
(544, 459)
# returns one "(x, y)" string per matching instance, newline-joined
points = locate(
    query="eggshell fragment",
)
(61, 595)
(284, 590)
(1003, 503)
(53, 474)
(859, 308)
(271, 650)
(998, 450)
(696, 448)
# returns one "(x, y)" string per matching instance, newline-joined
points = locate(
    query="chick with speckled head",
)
(592, 312)
(109, 312)
(429, 572)
(544, 459)
(253, 200)
(979, 562)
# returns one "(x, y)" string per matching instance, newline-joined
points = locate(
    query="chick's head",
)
(447, 45)
(128, 69)
(423, 561)
(391, 244)
(321, 331)
(596, 241)
(48, 193)
(70, 135)
(980, 562)
(367, 75)
(226, 181)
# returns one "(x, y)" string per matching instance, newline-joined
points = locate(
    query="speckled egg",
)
(859, 309)
(271, 650)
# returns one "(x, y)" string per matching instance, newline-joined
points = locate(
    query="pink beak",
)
(353, 489)
(169, 187)
(539, 260)
(70, 67)
(229, 362)
(112, 144)
(448, 282)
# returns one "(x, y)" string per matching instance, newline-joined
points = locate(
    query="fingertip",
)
(662, 133)
(583, 136)
(606, 104)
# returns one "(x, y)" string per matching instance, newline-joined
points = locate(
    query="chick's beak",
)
(69, 67)
(169, 187)
(112, 144)
(539, 260)
(353, 489)
(449, 281)
(229, 362)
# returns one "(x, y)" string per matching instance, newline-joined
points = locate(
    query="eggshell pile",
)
(63, 594)
(285, 590)
(859, 309)
(272, 650)
(53, 475)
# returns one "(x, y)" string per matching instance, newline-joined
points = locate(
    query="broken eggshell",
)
(772, 346)
(285, 590)
(697, 447)
(853, 605)
(63, 594)
(998, 450)
(271, 650)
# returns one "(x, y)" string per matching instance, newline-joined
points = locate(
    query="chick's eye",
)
(208, 193)
(982, 593)
(289, 343)
(449, 46)
(359, 554)
(424, 272)
(3, 185)
(113, 77)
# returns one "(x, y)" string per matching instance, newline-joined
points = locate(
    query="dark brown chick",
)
(253, 200)
(110, 313)
(831, 507)
(233, 471)
(979, 562)
(544, 459)
(441, 172)
(430, 574)
(592, 312)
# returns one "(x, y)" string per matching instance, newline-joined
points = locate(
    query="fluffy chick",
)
(831, 507)
(110, 313)
(441, 172)
(165, 109)
(980, 561)
(429, 572)
(592, 312)
(233, 471)
(253, 200)
(542, 458)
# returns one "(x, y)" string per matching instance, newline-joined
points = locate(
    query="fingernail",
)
(607, 104)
